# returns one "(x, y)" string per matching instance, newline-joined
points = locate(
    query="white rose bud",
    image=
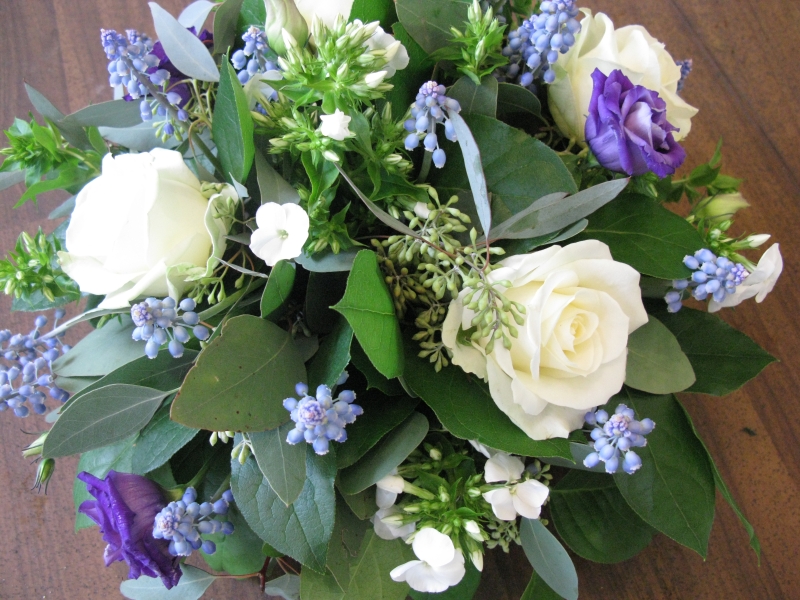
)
(639, 56)
(283, 15)
(139, 228)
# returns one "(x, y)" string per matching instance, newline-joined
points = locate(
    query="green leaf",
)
(656, 363)
(101, 352)
(333, 356)
(115, 113)
(141, 138)
(254, 12)
(301, 530)
(362, 504)
(369, 570)
(102, 417)
(322, 291)
(476, 99)
(518, 167)
(238, 553)
(74, 134)
(548, 558)
(406, 82)
(538, 590)
(158, 442)
(579, 453)
(374, 10)
(319, 586)
(465, 407)
(277, 291)
(193, 584)
(390, 387)
(515, 99)
(381, 415)
(674, 489)
(233, 126)
(645, 235)
(471, 156)
(429, 22)
(726, 493)
(287, 586)
(348, 534)
(163, 373)
(387, 454)
(723, 358)
(368, 307)
(328, 262)
(241, 379)
(283, 464)
(225, 20)
(98, 463)
(594, 520)
(464, 590)
(273, 187)
(185, 50)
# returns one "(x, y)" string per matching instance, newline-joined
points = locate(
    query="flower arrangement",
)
(379, 284)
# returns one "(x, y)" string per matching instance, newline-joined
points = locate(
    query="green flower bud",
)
(720, 207)
(44, 473)
(283, 15)
(35, 447)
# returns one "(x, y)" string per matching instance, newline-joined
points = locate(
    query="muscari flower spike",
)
(714, 276)
(25, 378)
(614, 436)
(253, 58)
(134, 48)
(158, 321)
(183, 522)
(430, 108)
(534, 47)
(321, 419)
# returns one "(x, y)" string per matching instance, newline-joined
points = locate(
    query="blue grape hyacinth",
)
(159, 322)
(429, 109)
(252, 59)
(132, 49)
(183, 522)
(714, 276)
(614, 436)
(322, 419)
(534, 47)
(25, 377)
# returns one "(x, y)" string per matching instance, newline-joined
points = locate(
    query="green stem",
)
(230, 300)
(426, 167)
(221, 489)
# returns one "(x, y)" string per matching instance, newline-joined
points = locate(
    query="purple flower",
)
(125, 507)
(627, 128)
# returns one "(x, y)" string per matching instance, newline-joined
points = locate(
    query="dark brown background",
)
(746, 83)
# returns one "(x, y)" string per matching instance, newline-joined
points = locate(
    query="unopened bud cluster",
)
(478, 49)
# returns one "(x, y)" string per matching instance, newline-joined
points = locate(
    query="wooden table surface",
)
(746, 84)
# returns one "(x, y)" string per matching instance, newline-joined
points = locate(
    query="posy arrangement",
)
(377, 287)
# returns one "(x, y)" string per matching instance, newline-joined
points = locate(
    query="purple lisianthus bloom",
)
(125, 507)
(627, 128)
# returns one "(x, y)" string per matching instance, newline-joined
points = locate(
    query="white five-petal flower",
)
(525, 498)
(335, 126)
(439, 567)
(282, 231)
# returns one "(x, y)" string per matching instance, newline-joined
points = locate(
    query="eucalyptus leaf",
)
(283, 464)
(301, 530)
(195, 14)
(115, 113)
(537, 589)
(141, 138)
(673, 491)
(100, 418)
(472, 163)
(386, 455)
(272, 186)
(333, 356)
(63, 210)
(189, 55)
(277, 291)
(241, 379)
(594, 520)
(723, 358)
(656, 363)
(73, 133)
(328, 262)
(548, 558)
(9, 178)
(233, 126)
(476, 99)
(429, 23)
(158, 442)
(465, 407)
(645, 235)
(378, 211)
(287, 586)
(192, 585)
(368, 307)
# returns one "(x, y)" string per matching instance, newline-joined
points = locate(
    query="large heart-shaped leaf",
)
(332, 357)
(429, 23)
(283, 464)
(656, 363)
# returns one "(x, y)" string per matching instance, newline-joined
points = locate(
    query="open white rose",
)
(759, 283)
(439, 567)
(572, 348)
(141, 229)
(282, 231)
(640, 57)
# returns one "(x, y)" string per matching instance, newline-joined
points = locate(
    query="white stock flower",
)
(396, 53)
(373, 80)
(388, 528)
(439, 567)
(485, 450)
(503, 467)
(335, 126)
(282, 231)
(138, 228)
(388, 488)
(759, 283)
(570, 355)
(524, 498)
(640, 56)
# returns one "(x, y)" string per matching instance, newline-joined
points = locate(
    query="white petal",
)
(385, 499)
(433, 547)
(391, 483)
(502, 504)
(528, 498)
(503, 467)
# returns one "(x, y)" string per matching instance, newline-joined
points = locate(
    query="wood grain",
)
(747, 86)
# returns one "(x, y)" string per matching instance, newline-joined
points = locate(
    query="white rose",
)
(335, 126)
(571, 351)
(142, 228)
(440, 564)
(640, 56)
(759, 283)
(282, 231)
